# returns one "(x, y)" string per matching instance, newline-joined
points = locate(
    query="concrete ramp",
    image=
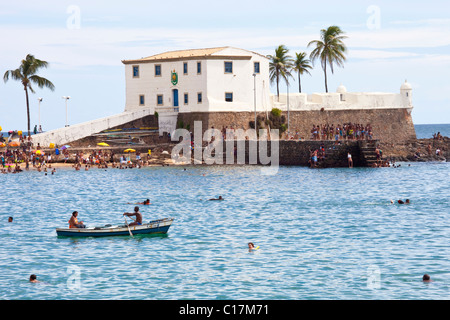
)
(78, 131)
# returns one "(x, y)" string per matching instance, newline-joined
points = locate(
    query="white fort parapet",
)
(343, 100)
(78, 131)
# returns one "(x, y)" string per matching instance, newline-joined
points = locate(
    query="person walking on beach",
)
(138, 215)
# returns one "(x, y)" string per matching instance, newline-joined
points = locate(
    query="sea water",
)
(323, 233)
(426, 131)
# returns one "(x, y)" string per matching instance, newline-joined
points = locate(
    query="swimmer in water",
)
(426, 278)
(33, 278)
(146, 202)
(220, 198)
(251, 247)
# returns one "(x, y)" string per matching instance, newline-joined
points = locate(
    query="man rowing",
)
(138, 215)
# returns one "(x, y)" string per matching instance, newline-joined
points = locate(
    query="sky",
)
(84, 43)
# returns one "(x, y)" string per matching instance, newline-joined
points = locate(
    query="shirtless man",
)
(73, 222)
(138, 215)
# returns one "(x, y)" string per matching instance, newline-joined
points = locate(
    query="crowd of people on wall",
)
(346, 131)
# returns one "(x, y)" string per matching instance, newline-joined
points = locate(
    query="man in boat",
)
(138, 215)
(73, 222)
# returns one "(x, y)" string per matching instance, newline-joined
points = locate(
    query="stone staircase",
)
(368, 153)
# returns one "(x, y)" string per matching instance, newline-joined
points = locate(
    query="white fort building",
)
(217, 84)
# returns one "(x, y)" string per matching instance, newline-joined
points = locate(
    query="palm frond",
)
(42, 82)
(14, 74)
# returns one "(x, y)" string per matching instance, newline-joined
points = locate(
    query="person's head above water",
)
(426, 278)
(33, 278)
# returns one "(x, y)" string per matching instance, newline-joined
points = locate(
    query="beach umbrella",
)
(65, 147)
(104, 144)
(52, 145)
(129, 150)
(14, 144)
(1, 128)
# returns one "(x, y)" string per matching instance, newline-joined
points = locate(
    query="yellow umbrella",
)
(103, 144)
(52, 145)
(129, 150)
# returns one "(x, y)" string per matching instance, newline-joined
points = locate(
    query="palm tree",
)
(301, 65)
(26, 73)
(279, 66)
(329, 49)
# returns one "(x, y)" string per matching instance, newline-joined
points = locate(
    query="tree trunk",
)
(278, 89)
(325, 72)
(299, 84)
(28, 110)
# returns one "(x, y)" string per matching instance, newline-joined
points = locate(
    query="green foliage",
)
(276, 120)
(276, 112)
(280, 66)
(329, 50)
(27, 75)
(180, 124)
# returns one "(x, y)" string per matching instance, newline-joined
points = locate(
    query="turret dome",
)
(406, 86)
(341, 89)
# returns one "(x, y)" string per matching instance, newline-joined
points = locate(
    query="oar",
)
(128, 226)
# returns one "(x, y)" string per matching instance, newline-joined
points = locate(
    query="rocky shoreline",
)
(419, 150)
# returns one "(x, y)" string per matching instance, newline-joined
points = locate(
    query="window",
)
(199, 97)
(135, 71)
(199, 68)
(186, 98)
(157, 70)
(229, 96)
(256, 67)
(141, 100)
(159, 100)
(228, 67)
(185, 68)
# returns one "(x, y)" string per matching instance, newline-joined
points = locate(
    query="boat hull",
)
(154, 227)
